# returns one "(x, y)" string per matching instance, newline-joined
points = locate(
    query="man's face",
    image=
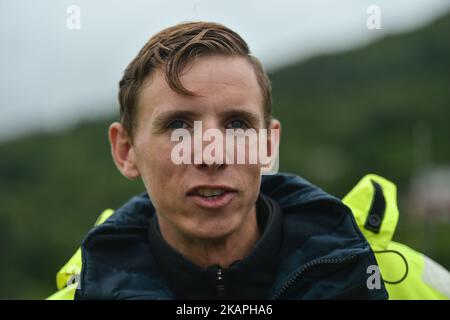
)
(228, 97)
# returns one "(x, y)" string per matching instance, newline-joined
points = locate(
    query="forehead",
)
(219, 82)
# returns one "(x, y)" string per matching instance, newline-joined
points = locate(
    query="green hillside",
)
(343, 116)
(358, 111)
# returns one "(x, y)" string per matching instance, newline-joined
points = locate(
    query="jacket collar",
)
(118, 264)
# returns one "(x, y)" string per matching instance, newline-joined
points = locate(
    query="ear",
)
(273, 143)
(273, 140)
(122, 151)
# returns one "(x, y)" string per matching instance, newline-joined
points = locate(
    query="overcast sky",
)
(52, 76)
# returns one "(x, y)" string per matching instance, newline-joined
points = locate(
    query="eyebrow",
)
(162, 118)
(252, 117)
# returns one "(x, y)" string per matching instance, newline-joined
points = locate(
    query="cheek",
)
(253, 174)
(249, 177)
(155, 163)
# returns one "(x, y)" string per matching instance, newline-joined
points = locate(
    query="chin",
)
(215, 231)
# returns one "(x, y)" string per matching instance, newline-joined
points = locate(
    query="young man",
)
(211, 229)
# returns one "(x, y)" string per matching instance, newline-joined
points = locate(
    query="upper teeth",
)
(207, 192)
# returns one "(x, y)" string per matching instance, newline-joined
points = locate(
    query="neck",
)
(223, 251)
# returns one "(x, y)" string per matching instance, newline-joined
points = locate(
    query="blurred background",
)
(355, 95)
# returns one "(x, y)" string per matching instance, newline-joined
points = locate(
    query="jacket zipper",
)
(307, 266)
(220, 284)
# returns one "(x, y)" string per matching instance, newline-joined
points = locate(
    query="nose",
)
(209, 146)
(210, 167)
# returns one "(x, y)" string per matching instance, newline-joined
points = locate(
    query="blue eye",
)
(237, 124)
(178, 124)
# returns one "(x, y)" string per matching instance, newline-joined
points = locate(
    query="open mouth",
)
(208, 193)
(212, 197)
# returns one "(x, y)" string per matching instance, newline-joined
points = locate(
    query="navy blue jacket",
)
(324, 255)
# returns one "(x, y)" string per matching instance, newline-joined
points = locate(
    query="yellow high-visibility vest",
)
(407, 274)
(67, 277)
